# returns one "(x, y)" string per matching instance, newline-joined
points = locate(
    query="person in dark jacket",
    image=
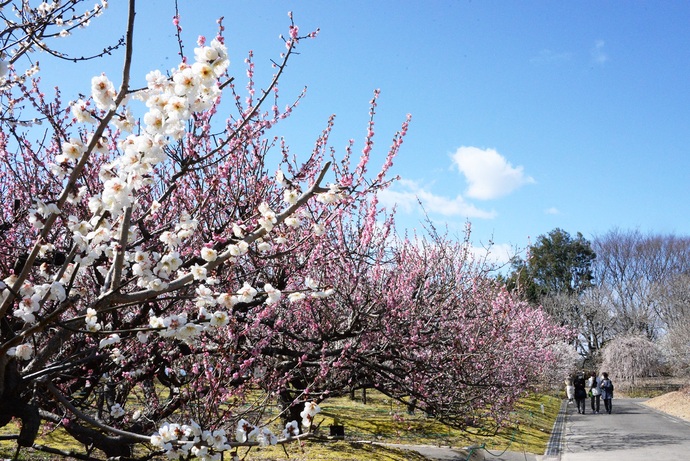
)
(580, 393)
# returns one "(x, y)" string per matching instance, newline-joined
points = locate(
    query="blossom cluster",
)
(170, 102)
(247, 432)
(190, 439)
(180, 326)
(181, 441)
(33, 295)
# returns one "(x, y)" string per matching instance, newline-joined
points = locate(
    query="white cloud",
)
(598, 54)
(552, 210)
(488, 173)
(412, 194)
(498, 254)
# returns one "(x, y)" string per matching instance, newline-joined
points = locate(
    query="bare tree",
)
(673, 300)
(637, 274)
(587, 315)
(674, 309)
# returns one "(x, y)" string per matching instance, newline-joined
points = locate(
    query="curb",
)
(555, 445)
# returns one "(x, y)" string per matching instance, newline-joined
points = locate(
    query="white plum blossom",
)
(268, 217)
(198, 272)
(212, 280)
(219, 319)
(318, 229)
(166, 434)
(116, 411)
(159, 442)
(155, 80)
(29, 305)
(217, 439)
(168, 264)
(291, 430)
(23, 351)
(310, 410)
(215, 55)
(246, 293)
(111, 339)
(73, 149)
(117, 356)
(46, 209)
(239, 249)
(296, 296)
(238, 231)
(80, 111)
(265, 437)
(35, 221)
(204, 72)
(170, 431)
(202, 452)
(98, 235)
(157, 284)
(125, 121)
(79, 227)
(225, 300)
(333, 195)
(116, 195)
(243, 431)
(91, 320)
(292, 221)
(45, 8)
(273, 294)
(171, 239)
(264, 247)
(205, 296)
(103, 92)
(209, 254)
(57, 292)
(143, 337)
(186, 227)
(192, 431)
(188, 331)
(290, 196)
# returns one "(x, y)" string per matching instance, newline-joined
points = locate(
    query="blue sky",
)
(527, 116)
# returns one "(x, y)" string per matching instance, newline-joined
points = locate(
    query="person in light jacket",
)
(569, 388)
(606, 392)
(594, 392)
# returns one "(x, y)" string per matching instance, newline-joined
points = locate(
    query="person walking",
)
(580, 393)
(606, 392)
(569, 388)
(594, 392)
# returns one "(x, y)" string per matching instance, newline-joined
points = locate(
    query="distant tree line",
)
(624, 287)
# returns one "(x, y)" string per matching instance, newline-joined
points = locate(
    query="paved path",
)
(633, 432)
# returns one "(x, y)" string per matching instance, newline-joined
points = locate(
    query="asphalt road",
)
(633, 432)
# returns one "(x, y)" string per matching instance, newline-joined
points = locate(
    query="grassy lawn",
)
(386, 421)
(380, 420)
